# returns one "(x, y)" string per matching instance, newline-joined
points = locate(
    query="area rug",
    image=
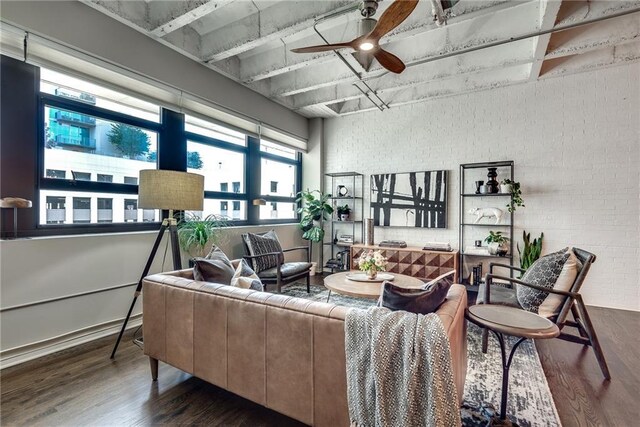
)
(530, 403)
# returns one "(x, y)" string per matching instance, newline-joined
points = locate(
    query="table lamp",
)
(172, 191)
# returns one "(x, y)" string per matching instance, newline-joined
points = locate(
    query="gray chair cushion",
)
(287, 269)
(499, 295)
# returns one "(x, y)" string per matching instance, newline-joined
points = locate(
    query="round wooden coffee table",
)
(340, 284)
(504, 320)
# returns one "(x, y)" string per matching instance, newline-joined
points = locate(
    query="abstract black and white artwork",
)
(414, 199)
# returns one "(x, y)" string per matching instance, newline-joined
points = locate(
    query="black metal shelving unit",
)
(354, 182)
(466, 226)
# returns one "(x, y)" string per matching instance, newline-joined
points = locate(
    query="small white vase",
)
(312, 271)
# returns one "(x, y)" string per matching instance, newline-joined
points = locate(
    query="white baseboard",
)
(24, 353)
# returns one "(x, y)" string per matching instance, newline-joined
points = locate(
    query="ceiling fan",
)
(369, 42)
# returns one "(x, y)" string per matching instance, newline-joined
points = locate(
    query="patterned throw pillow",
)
(246, 278)
(215, 268)
(259, 244)
(544, 272)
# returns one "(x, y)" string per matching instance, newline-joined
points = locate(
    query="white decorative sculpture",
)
(486, 213)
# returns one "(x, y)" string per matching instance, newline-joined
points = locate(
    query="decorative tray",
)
(362, 277)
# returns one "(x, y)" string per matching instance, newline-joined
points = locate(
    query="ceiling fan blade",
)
(323, 47)
(392, 17)
(389, 61)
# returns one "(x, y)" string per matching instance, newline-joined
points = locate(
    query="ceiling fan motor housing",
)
(366, 25)
(368, 8)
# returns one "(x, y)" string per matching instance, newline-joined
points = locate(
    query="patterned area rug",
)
(529, 396)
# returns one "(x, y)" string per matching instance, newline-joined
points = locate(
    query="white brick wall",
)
(575, 142)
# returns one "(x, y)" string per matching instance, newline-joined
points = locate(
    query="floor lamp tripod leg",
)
(139, 287)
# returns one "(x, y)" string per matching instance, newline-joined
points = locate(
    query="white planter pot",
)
(312, 272)
(505, 188)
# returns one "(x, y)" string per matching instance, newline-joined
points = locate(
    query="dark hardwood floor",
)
(82, 386)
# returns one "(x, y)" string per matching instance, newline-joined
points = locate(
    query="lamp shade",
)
(163, 189)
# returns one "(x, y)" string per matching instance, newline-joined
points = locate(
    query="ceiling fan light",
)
(366, 46)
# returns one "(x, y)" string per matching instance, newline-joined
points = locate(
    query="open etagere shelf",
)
(467, 227)
(354, 182)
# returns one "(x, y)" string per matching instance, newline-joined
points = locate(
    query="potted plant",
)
(343, 212)
(195, 233)
(512, 187)
(497, 243)
(314, 209)
(531, 250)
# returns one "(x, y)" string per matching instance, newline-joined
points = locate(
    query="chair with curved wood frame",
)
(573, 302)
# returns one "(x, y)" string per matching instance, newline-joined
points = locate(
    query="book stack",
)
(473, 250)
(437, 246)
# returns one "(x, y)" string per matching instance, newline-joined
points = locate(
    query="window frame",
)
(167, 131)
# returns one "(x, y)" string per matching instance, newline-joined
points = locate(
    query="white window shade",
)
(46, 53)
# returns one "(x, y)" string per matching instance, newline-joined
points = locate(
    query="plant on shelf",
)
(497, 243)
(512, 187)
(195, 233)
(530, 251)
(343, 212)
(371, 262)
(314, 209)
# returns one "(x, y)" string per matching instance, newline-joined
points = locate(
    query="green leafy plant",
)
(343, 210)
(315, 209)
(129, 140)
(496, 237)
(516, 195)
(194, 233)
(531, 250)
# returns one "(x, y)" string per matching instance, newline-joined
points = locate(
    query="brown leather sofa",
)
(282, 352)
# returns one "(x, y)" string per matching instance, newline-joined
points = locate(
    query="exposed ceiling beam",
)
(587, 61)
(168, 16)
(273, 23)
(280, 60)
(594, 36)
(434, 90)
(548, 14)
(466, 65)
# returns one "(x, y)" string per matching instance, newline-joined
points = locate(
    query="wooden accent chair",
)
(573, 302)
(283, 272)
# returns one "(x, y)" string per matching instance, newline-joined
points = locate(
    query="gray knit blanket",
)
(399, 370)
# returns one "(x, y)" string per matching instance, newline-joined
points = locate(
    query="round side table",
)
(15, 203)
(504, 320)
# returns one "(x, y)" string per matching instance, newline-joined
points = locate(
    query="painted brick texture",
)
(575, 141)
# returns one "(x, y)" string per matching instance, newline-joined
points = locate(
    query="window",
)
(81, 176)
(105, 210)
(56, 212)
(54, 173)
(81, 210)
(95, 141)
(130, 210)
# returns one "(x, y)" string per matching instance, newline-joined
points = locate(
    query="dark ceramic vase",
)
(493, 186)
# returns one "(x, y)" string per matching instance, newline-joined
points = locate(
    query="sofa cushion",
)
(288, 269)
(245, 277)
(543, 272)
(259, 244)
(215, 268)
(421, 301)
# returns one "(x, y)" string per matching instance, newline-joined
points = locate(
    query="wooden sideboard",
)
(412, 261)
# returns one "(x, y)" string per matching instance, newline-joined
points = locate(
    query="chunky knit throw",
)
(399, 370)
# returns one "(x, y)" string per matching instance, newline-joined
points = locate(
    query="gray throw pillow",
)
(215, 268)
(544, 272)
(245, 277)
(259, 244)
(420, 301)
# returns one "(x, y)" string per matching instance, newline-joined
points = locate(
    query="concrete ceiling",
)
(250, 41)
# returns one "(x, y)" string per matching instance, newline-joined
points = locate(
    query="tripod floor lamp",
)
(167, 190)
